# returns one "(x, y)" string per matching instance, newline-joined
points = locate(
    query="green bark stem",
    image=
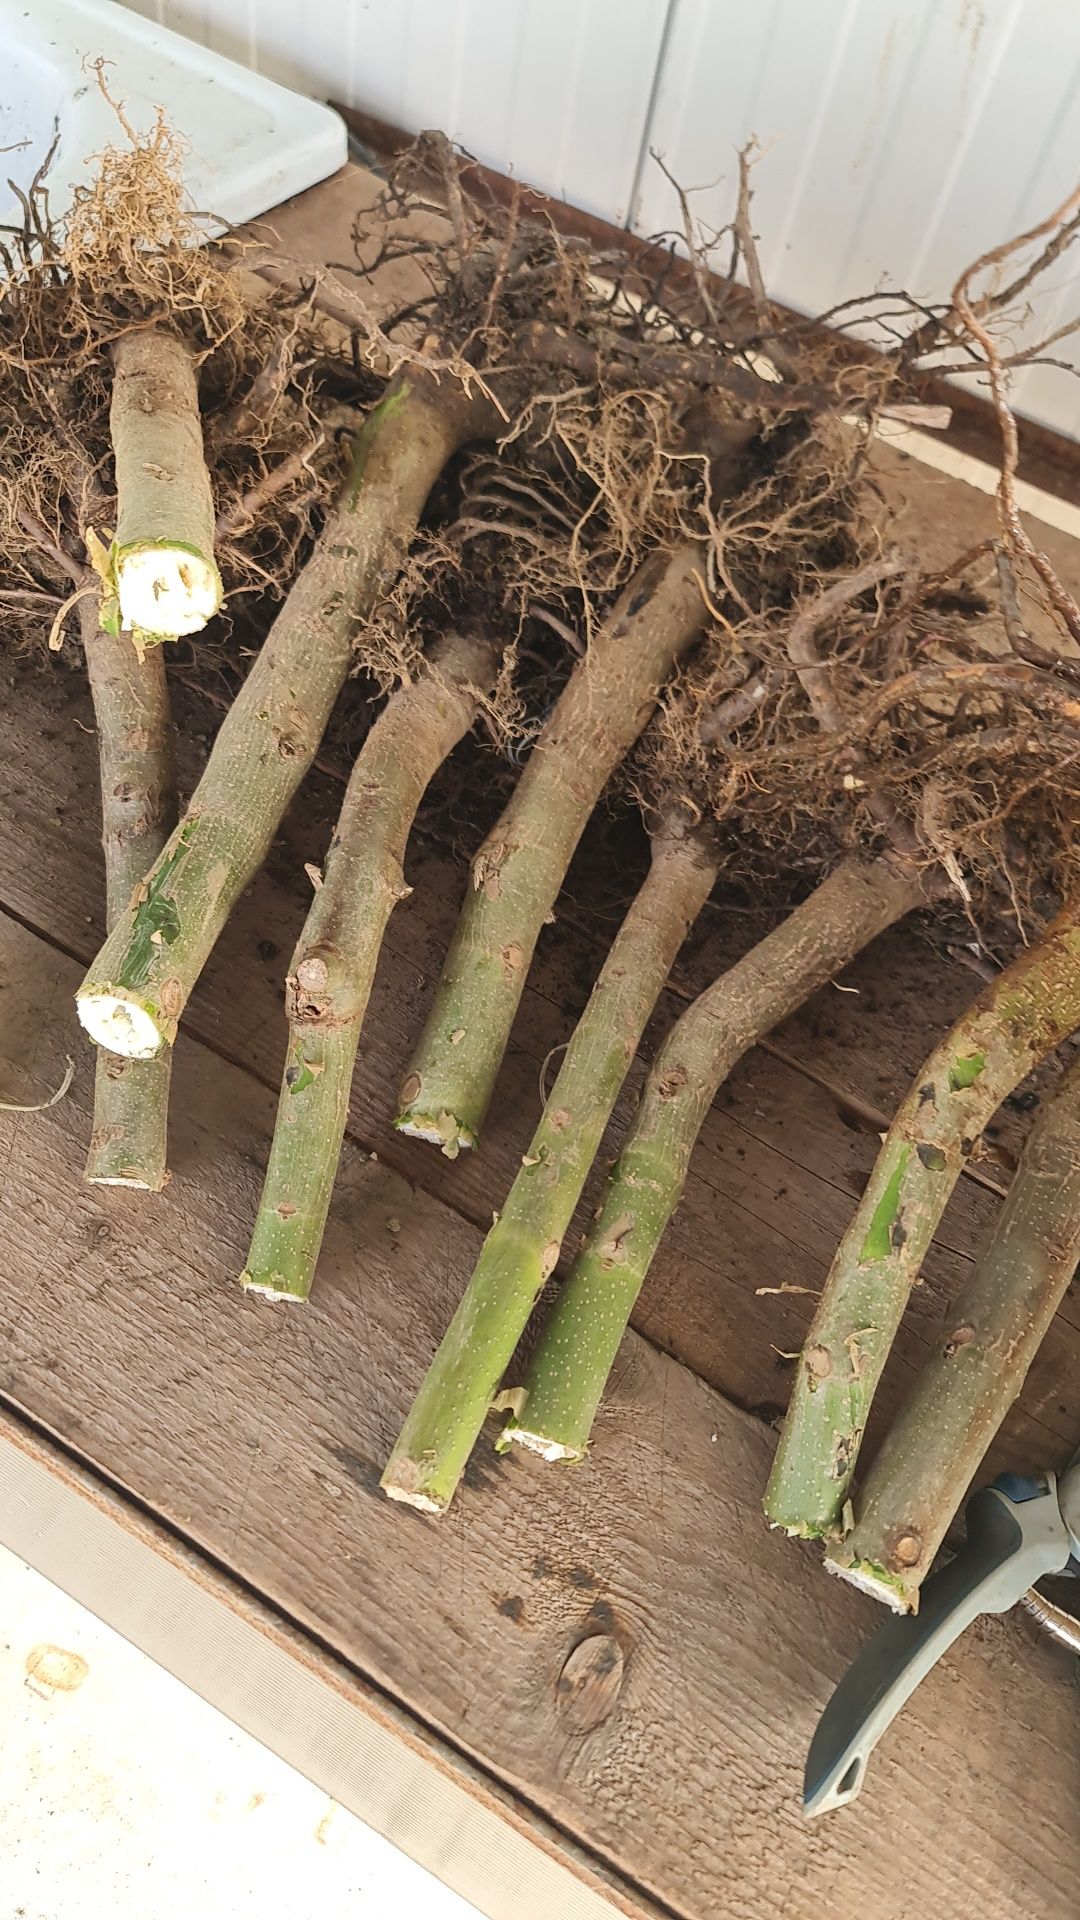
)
(965, 1389)
(332, 968)
(137, 988)
(128, 1145)
(580, 1338)
(521, 865)
(523, 1245)
(1015, 1022)
(162, 559)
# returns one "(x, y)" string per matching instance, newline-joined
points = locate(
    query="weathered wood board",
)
(259, 1432)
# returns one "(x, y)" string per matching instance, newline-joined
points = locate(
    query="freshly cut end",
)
(441, 1130)
(118, 1022)
(400, 1486)
(271, 1286)
(166, 590)
(132, 1178)
(539, 1443)
(136, 1180)
(878, 1582)
(795, 1529)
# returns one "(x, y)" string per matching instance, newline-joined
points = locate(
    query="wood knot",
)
(513, 958)
(819, 1363)
(671, 1083)
(409, 1090)
(960, 1337)
(906, 1548)
(590, 1682)
(549, 1259)
(312, 974)
(171, 997)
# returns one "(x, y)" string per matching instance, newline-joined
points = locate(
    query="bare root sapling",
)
(128, 1145)
(976, 1368)
(523, 1245)
(1020, 1017)
(333, 966)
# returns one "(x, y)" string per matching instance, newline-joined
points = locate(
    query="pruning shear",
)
(1019, 1529)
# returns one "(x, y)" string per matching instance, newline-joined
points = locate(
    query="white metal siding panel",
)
(555, 91)
(903, 138)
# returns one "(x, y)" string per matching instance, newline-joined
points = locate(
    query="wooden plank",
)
(259, 1433)
(268, 1677)
(776, 1171)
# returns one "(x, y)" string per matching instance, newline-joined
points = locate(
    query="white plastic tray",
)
(251, 143)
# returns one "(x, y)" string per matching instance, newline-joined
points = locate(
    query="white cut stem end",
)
(422, 1501)
(537, 1443)
(120, 1180)
(867, 1581)
(120, 1025)
(166, 590)
(422, 1130)
(259, 1290)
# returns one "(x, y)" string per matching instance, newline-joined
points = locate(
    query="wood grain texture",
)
(777, 1170)
(259, 1433)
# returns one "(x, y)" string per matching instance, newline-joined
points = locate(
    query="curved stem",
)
(523, 1245)
(162, 559)
(521, 866)
(1019, 1018)
(330, 976)
(581, 1336)
(965, 1389)
(138, 807)
(136, 989)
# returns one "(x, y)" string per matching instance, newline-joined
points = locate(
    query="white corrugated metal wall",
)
(902, 136)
